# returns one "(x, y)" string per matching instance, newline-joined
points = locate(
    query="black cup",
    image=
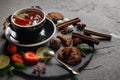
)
(31, 30)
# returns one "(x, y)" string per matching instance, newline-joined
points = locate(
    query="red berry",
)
(12, 48)
(31, 57)
(17, 58)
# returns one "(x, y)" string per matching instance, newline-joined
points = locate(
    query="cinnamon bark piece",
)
(65, 39)
(81, 26)
(84, 37)
(64, 31)
(89, 32)
(76, 41)
(67, 23)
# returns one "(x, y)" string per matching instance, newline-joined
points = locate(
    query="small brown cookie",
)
(55, 16)
(70, 55)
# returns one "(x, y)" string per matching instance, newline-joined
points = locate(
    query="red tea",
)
(28, 18)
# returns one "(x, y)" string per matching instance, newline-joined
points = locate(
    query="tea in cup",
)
(28, 21)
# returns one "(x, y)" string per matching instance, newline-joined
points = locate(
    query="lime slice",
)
(4, 61)
(40, 52)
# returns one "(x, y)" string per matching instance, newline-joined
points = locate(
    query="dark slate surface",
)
(99, 15)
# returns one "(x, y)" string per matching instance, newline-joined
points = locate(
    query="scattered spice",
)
(39, 69)
(81, 26)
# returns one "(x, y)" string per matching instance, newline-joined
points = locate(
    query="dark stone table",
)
(99, 15)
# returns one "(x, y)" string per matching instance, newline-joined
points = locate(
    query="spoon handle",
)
(68, 67)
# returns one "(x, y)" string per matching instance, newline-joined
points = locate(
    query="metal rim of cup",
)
(28, 9)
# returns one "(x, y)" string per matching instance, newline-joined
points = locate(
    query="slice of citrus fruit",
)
(40, 52)
(4, 61)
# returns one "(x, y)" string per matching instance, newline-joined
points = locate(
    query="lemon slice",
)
(4, 61)
(40, 52)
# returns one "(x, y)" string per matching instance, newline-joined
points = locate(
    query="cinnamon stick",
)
(89, 32)
(67, 23)
(84, 37)
(22, 19)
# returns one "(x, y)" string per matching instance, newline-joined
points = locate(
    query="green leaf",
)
(82, 53)
(19, 66)
(83, 47)
(23, 15)
(23, 53)
(4, 71)
(11, 71)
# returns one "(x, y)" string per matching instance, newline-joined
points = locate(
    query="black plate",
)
(44, 36)
(55, 71)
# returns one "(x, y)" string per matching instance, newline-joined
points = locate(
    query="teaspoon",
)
(51, 53)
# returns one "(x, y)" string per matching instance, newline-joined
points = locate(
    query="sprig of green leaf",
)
(84, 49)
(11, 68)
(4, 71)
(23, 15)
(19, 66)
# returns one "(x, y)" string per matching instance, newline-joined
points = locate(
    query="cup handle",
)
(10, 34)
(8, 28)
